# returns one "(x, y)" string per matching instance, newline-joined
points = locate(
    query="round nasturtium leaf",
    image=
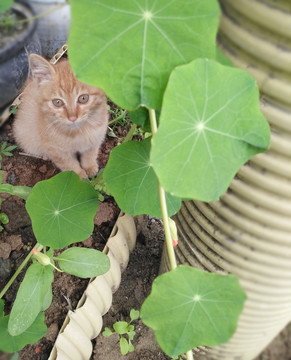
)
(10, 344)
(128, 48)
(210, 126)
(83, 262)
(62, 210)
(132, 181)
(189, 307)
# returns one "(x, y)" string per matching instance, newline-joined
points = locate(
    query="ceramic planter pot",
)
(247, 232)
(13, 56)
(53, 27)
(85, 323)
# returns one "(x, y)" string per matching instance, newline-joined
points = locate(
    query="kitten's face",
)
(65, 100)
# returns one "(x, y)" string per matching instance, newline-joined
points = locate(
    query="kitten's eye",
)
(58, 102)
(82, 99)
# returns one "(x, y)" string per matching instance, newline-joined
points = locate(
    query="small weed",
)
(119, 118)
(6, 151)
(124, 328)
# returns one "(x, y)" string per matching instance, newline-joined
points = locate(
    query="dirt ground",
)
(17, 239)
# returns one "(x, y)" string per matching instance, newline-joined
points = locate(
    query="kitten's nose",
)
(73, 118)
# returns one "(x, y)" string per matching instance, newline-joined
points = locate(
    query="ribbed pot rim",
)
(272, 18)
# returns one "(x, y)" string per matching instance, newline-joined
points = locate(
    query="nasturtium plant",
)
(189, 307)
(83, 262)
(133, 181)
(131, 47)
(30, 298)
(62, 210)
(10, 344)
(210, 125)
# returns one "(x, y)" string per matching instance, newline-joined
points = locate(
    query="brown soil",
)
(17, 239)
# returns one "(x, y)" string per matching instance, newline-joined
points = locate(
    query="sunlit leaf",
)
(132, 181)
(188, 307)
(62, 210)
(210, 126)
(128, 48)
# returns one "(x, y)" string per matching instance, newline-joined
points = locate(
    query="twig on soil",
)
(30, 155)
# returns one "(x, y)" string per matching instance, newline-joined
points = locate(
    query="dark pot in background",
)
(14, 56)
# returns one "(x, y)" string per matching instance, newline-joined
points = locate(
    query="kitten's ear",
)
(40, 68)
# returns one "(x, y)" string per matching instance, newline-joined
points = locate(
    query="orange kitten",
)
(60, 117)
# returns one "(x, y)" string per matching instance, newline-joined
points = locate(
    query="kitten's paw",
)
(92, 170)
(82, 174)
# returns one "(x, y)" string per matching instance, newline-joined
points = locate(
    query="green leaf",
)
(3, 146)
(107, 332)
(210, 126)
(62, 210)
(83, 262)
(188, 307)
(4, 218)
(47, 299)
(120, 327)
(10, 344)
(11, 148)
(134, 314)
(124, 347)
(222, 59)
(21, 191)
(30, 298)
(131, 334)
(132, 181)
(134, 45)
(130, 347)
(130, 328)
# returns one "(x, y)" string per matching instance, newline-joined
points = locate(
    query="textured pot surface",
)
(13, 57)
(247, 232)
(53, 28)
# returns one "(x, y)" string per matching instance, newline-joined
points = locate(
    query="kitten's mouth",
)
(73, 124)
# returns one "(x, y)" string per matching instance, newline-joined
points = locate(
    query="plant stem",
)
(163, 203)
(168, 237)
(117, 118)
(130, 133)
(38, 247)
(165, 216)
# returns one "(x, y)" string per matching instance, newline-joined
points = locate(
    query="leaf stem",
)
(130, 133)
(38, 247)
(113, 121)
(163, 203)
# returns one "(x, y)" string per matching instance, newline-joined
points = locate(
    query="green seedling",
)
(6, 151)
(126, 332)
